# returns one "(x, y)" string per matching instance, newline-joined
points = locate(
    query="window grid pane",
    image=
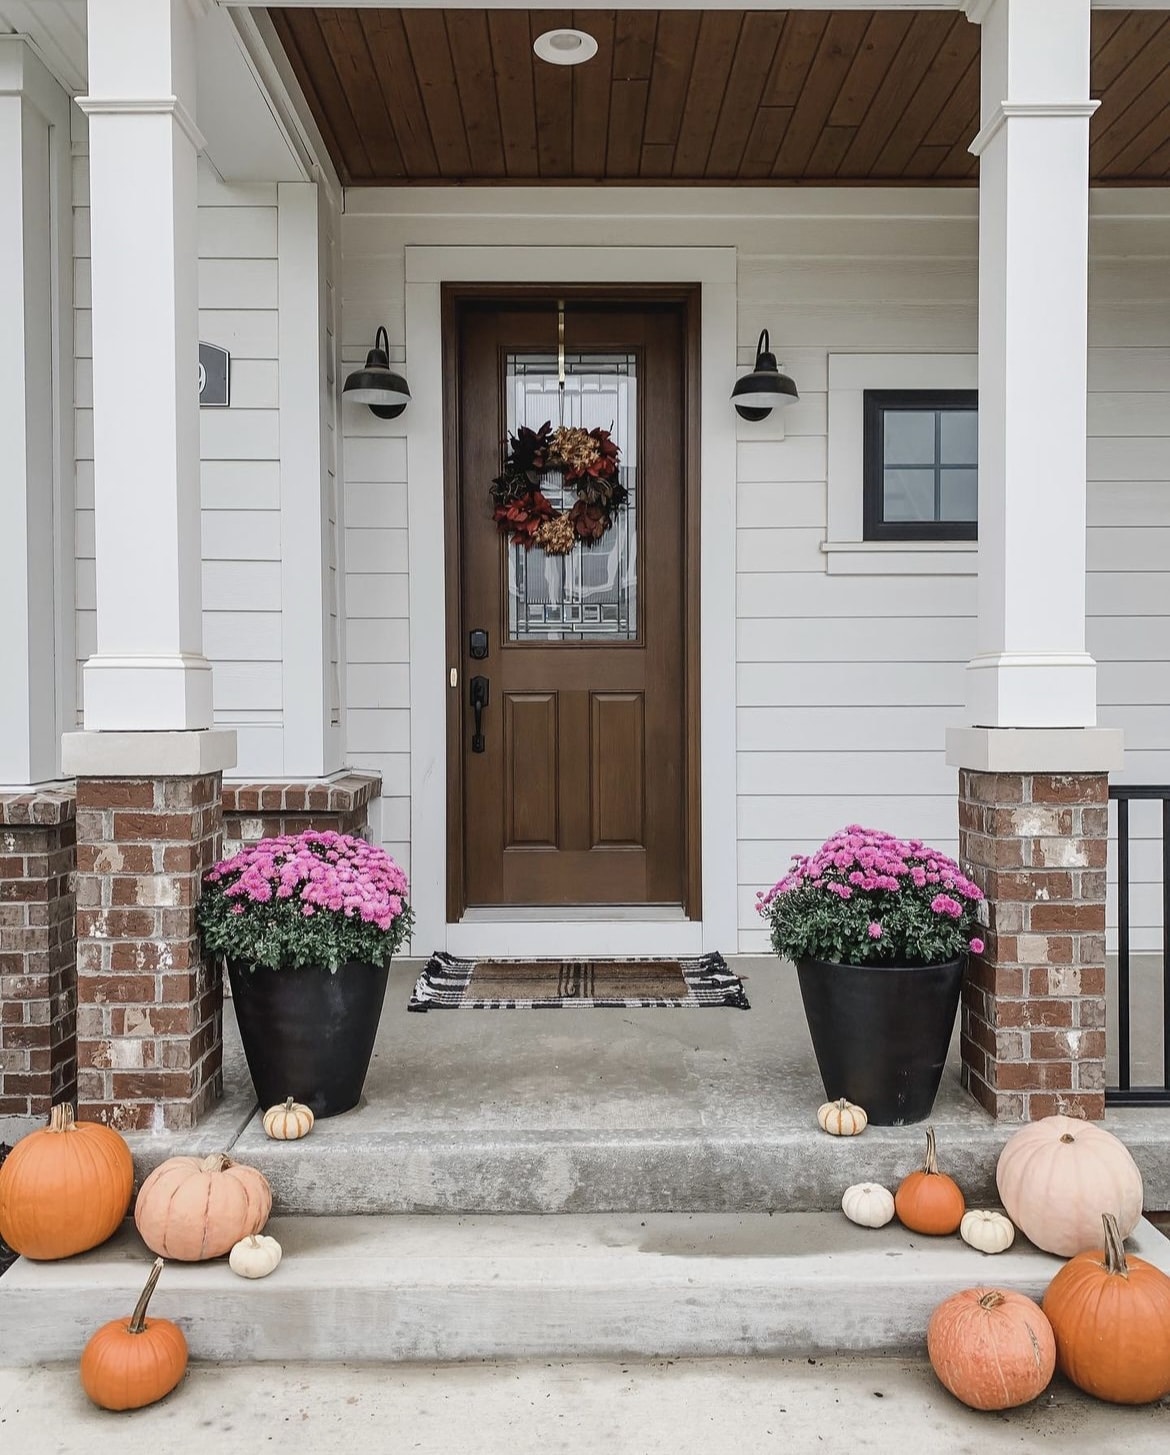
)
(929, 466)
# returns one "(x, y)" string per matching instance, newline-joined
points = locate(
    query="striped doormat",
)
(644, 984)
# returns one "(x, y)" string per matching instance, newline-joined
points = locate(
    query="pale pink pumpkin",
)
(1056, 1178)
(193, 1208)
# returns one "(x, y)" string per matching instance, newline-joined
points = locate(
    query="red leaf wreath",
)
(589, 460)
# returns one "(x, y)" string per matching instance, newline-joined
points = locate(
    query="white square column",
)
(36, 394)
(1031, 669)
(149, 671)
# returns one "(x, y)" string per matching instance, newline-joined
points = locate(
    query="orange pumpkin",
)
(991, 1349)
(929, 1201)
(1111, 1318)
(64, 1188)
(193, 1209)
(134, 1362)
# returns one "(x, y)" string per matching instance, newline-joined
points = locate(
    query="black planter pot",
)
(881, 1033)
(307, 1033)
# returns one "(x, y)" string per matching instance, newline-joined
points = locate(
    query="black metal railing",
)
(1125, 1093)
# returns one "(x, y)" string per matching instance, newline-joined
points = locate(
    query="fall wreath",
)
(587, 458)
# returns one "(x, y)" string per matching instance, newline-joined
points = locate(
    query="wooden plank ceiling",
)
(684, 96)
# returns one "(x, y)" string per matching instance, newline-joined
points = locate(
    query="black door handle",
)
(479, 700)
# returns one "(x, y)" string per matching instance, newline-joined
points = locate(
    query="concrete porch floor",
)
(598, 1111)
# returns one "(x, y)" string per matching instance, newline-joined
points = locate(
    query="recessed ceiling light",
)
(565, 47)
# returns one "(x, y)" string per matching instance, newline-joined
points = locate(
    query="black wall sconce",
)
(377, 385)
(765, 388)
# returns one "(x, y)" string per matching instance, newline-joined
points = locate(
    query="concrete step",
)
(438, 1289)
(603, 1111)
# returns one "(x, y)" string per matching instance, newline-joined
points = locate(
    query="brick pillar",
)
(38, 974)
(1033, 1024)
(149, 1039)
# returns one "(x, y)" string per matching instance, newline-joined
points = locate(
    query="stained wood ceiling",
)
(674, 96)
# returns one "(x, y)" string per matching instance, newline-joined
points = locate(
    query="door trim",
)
(596, 271)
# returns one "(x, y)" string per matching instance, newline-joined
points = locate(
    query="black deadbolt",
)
(478, 645)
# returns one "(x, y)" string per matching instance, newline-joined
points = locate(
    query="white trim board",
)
(846, 551)
(714, 269)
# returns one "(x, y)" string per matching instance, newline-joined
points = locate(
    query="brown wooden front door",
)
(582, 789)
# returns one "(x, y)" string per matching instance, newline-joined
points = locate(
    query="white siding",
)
(845, 683)
(240, 475)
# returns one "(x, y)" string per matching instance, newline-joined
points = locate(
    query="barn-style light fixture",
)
(377, 385)
(765, 388)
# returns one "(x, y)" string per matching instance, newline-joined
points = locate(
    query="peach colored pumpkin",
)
(1111, 1318)
(992, 1349)
(64, 1188)
(1057, 1176)
(191, 1208)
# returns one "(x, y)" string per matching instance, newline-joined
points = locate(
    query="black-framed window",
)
(921, 464)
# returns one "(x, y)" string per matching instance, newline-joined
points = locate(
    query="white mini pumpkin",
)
(288, 1122)
(255, 1256)
(868, 1205)
(987, 1231)
(841, 1118)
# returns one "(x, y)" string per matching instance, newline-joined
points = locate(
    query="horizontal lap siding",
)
(845, 684)
(1129, 536)
(240, 462)
(240, 472)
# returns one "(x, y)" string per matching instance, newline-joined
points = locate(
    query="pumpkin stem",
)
(138, 1317)
(288, 1106)
(1067, 1137)
(991, 1299)
(1114, 1247)
(217, 1162)
(61, 1117)
(931, 1163)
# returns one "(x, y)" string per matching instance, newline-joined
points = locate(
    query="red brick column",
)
(1033, 1020)
(255, 811)
(38, 975)
(149, 1041)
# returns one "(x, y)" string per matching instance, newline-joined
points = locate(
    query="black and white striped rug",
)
(638, 984)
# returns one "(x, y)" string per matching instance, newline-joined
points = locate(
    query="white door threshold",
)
(568, 937)
(574, 914)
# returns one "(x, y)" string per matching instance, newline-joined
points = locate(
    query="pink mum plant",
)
(314, 898)
(866, 896)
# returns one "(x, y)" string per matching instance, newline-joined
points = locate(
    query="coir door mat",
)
(639, 984)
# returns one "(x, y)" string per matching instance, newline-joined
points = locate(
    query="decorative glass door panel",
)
(590, 594)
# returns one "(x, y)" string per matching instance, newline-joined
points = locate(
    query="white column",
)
(149, 672)
(36, 398)
(1031, 667)
(306, 484)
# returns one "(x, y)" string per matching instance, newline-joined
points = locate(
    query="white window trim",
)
(714, 268)
(846, 551)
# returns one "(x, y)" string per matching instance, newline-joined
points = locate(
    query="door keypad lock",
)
(477, 645)
(479, 700)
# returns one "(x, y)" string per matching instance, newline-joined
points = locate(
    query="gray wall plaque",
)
(214, 376)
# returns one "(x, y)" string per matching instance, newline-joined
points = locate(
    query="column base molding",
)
(158, 693)
(148, 754)
(1035, 750)
(1032, 689)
